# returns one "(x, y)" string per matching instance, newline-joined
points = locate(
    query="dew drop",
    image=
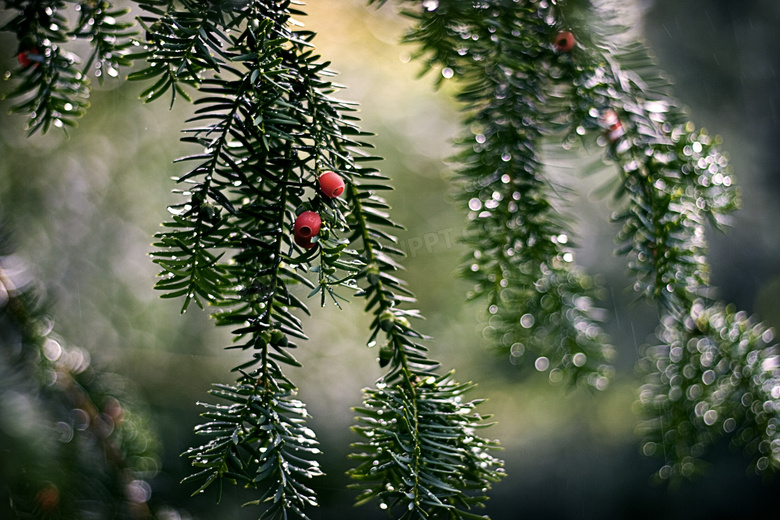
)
(527, 321)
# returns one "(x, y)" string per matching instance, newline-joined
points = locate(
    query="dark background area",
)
(83, 211)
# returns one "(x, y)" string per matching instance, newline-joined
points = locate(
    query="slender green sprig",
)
(421, 456)
(539, 305)
(243, 194)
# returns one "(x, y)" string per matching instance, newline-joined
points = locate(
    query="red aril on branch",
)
(306, 226)
(24, 58)
(331, 184)
(564, 41)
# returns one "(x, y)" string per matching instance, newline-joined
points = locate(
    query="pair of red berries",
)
(308, 223)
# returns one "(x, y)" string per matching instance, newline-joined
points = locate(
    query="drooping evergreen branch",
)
(675, 178)
(713, 373)
(74, 444)
(521, 261)
(268, 125)
(422, 456)
(53, 85)
(244, 190)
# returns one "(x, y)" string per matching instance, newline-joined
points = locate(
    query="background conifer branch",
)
(54, 84)
(568, 70)
(94, 451)
(539, 305)
(674, 180)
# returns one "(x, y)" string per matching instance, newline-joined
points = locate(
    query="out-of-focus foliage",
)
(568, 71)
(724, 367)
(73, 445)
(54, 80)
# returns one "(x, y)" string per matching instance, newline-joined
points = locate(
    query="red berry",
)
(615, 132)
(564, 41)
(48, 498)
(331, 184)
(307, 225)
(24, 58)
(608, 118)
(610, 121)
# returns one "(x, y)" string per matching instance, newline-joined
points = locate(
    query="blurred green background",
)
(83, 211)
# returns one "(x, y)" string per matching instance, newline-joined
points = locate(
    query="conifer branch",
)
(421, 457)
(712, 362)
(565, 69)
(96, 462)
(521, 259)
(53, 86)
(266, 134)
(246, 184)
